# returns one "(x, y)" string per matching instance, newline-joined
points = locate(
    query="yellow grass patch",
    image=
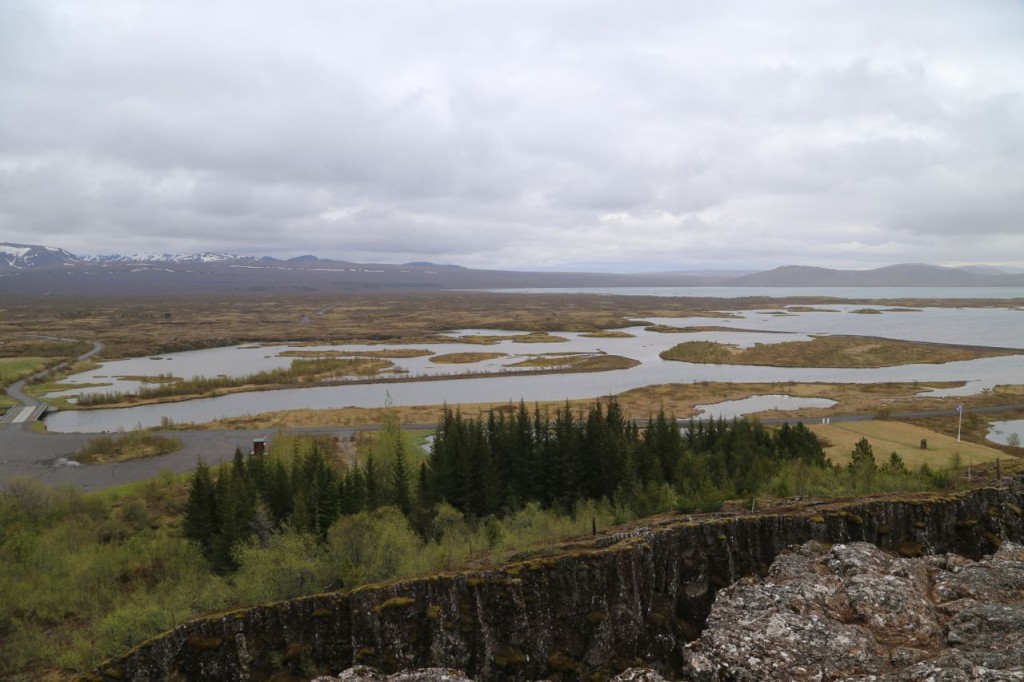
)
(809, 309)
(549, 360)
(828, 351)
(464, 358)
(905, 439)
(697, 329)
(607, 334)
(593, 362)
(491, 339)
(386, 353)
(539, 337)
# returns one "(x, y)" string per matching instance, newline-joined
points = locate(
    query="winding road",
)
(25, 452)
(29, 408)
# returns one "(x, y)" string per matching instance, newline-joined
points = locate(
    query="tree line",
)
(491, 466)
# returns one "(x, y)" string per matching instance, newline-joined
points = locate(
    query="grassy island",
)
(829, 351)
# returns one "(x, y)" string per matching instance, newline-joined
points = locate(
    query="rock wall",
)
(635, 601)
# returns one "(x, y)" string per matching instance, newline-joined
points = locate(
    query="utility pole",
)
(959, 419)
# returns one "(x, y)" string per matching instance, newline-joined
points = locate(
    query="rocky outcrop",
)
(849, 612)
(365, 674)
(630, 600)
(853, 612)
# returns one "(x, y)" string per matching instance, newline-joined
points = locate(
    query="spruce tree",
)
(863, 457)
(277, 491)
(236, 508)
(201, 509)
(372, 477)
(400, 479)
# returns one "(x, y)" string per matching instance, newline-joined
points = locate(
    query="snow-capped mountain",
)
(30, 256)
(25, 256)
(168, 258)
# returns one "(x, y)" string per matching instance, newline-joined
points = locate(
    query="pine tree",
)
(201, 509)
(317, 481)
(895, 464)
(862, 458)
(663, 439)
(236, 508)
(373, 495)
(862, 464)
(354, 499)
(277, 491)
(400, 479)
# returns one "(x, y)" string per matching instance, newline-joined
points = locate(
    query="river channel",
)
(994, 327)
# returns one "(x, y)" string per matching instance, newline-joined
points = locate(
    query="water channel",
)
(996, 327)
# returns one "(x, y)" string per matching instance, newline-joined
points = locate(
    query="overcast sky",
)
(547, 134)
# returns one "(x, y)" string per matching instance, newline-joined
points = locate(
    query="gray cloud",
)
(529, 134)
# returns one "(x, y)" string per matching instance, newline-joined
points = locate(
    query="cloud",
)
(529, 134)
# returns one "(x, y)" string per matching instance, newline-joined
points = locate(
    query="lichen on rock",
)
(856, 612)
(365, 674)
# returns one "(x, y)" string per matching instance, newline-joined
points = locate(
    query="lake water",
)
(1000, 432)
(860, 293)
(999, 327)
(728, 409)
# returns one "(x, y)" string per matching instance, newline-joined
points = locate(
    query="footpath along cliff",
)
(633, 599)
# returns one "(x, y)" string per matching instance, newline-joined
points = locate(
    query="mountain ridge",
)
(29, 270)
(904, 274)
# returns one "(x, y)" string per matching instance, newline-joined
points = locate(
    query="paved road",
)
(42, 456)
(45, 456)
(19, 396)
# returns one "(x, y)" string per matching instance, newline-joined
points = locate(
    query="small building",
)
(259, 446)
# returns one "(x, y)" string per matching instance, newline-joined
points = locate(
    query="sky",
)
(618, 136)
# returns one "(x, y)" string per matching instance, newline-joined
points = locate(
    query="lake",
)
(997, 327)
(860, 293)
(1001, 432)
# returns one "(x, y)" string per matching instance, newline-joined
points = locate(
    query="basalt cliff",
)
(591, 612)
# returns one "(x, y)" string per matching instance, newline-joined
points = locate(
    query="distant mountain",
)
(168, 258)
(29, 270)
(428, 264)
(25, 256)
(991, 270)
(905, 275)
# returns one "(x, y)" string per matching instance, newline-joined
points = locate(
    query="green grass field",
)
(12, 369)
(905, 439)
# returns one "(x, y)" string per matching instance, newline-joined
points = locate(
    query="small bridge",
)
(23, 413)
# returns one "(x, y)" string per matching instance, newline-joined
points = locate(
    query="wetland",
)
(947, 352)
